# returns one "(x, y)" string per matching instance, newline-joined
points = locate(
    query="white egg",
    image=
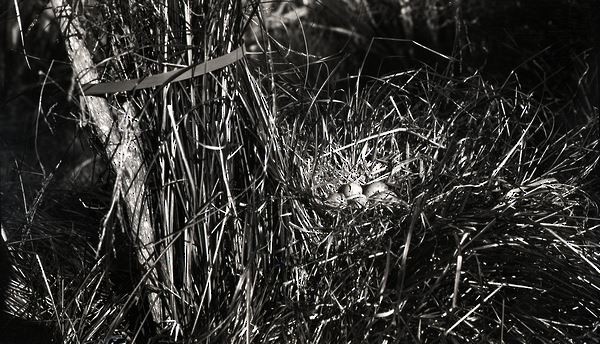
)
(336, 200)
(350, 189)
(359, 200)
(386, 196)
(375, 188)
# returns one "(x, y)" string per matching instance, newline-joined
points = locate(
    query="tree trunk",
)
(118, 132)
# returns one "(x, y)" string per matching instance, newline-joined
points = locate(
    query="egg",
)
(350, 189)
(386, 196)
(358, 200)
(336, 200)
(374, 188)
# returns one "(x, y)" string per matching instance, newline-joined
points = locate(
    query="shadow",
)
(14, 330)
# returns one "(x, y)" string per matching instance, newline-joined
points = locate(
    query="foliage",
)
(495, 238)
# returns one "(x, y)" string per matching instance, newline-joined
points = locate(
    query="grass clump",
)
(494, 238)
(495, 208)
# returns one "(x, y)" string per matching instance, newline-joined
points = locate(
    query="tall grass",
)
(199, 175)
(494, 238)
(495, 207)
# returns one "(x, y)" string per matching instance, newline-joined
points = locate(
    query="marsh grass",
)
(495, 239)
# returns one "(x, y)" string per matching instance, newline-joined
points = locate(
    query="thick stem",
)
(120, 143)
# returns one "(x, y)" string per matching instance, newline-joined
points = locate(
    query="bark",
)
(120, 136)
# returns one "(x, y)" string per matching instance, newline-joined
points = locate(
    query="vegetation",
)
(495, 238)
